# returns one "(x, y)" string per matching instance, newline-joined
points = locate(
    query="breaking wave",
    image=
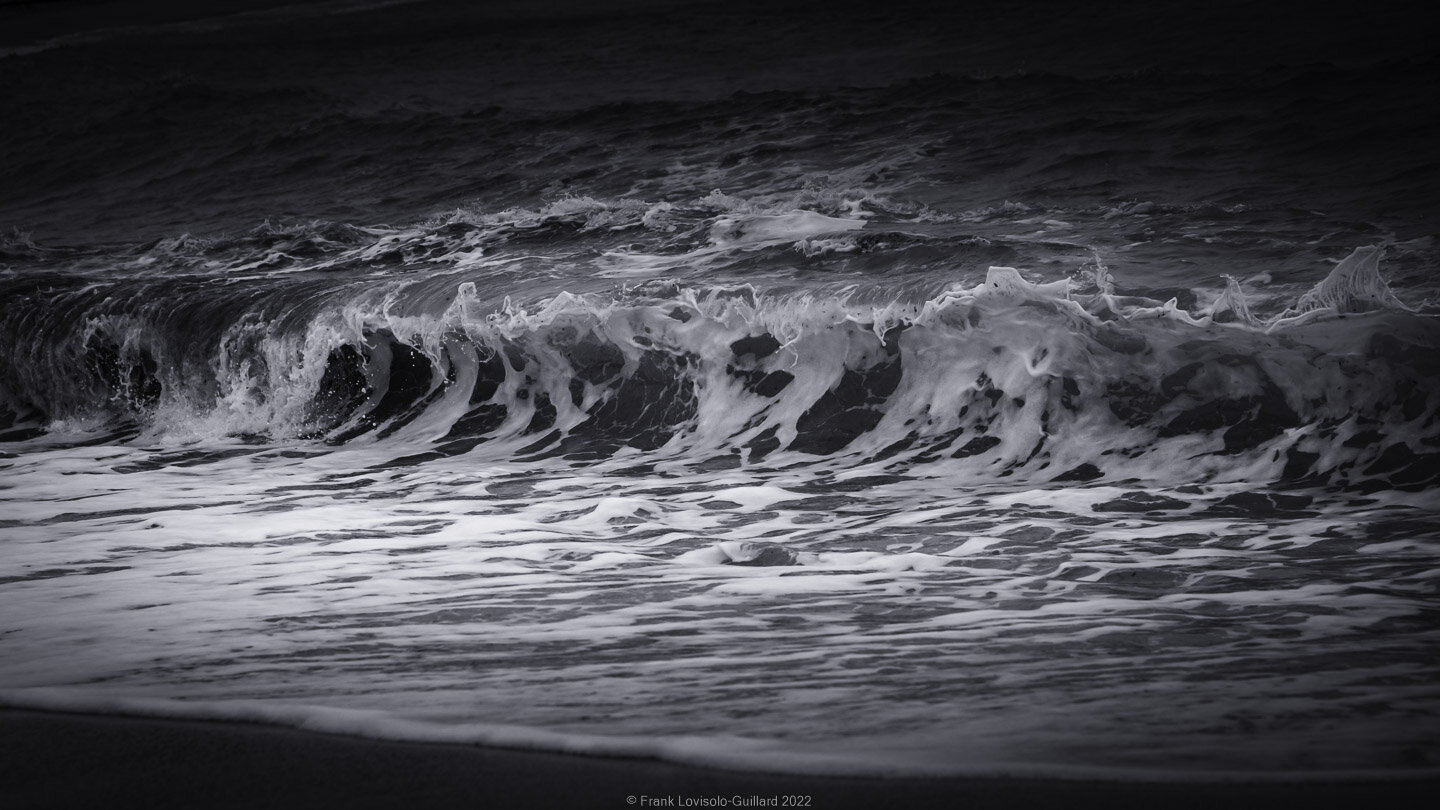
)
(1062, 381)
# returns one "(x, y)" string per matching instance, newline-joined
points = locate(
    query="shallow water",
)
(951, 629)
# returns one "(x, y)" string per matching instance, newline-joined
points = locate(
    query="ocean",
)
(925, 389)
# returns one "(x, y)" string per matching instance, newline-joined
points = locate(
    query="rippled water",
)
(1211, 626)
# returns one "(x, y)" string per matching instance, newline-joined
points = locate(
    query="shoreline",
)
(55, 759)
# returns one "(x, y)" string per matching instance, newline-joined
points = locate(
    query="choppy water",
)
(960, 424)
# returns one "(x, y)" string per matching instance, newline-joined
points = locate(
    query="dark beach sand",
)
(78, 761)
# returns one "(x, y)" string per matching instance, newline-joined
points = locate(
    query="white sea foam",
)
(1009, 526)
(920, 617)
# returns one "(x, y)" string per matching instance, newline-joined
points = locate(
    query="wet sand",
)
(80, 761)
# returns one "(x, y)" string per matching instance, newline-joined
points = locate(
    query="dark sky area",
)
(736, 40)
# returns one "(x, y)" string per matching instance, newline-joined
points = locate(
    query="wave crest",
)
(1008, 377)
